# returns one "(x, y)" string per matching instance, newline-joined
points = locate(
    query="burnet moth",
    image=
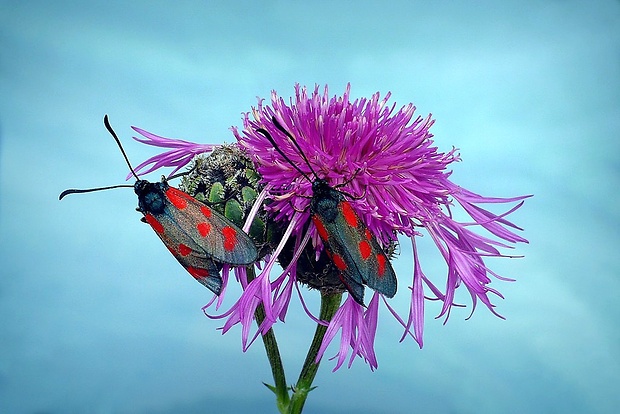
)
(200, 238)
(350, 245)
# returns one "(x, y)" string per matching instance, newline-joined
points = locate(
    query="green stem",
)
(280, 388)
(329, 305)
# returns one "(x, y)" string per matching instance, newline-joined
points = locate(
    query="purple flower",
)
(358, 327)
(399, 184)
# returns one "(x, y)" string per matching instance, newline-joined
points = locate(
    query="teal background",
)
(96, 316)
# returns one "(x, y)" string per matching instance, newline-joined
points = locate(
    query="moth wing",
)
(189, 254)
(216, 235)
(378, 273)
(208, 275)
(363, 260)
(354, 288)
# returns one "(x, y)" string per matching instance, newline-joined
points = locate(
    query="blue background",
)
(97, 317)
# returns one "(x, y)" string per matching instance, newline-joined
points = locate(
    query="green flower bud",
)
(226, 180)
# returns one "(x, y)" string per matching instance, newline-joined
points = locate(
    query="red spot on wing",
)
(184, 249)
(177, 197)
(320, 228)
(348, 213)
(339, 262)
(197, 273)
(206, 211)
(381, 262)
(365, 249)
(203, 228)
(368, 234)
(230, 238)
(157, 226)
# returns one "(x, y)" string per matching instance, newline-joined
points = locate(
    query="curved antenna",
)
(275, 146)
(294, 141)
(184, 173)
(89, 190)
(106, 122)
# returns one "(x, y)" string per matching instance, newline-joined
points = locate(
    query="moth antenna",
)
(106, 122)
(181, 174)
(294, 141)
(90, 190)
(347, 182)
(277, 148)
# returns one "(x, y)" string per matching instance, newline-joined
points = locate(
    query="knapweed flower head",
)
(384, 164)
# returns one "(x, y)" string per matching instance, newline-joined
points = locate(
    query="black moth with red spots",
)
(200, 238)
(353, 249)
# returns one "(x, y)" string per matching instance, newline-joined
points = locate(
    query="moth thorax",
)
(325, 207)
(320, 187)
(151, 197)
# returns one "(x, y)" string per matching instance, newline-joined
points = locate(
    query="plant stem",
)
(280, 388)
(329, 305)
